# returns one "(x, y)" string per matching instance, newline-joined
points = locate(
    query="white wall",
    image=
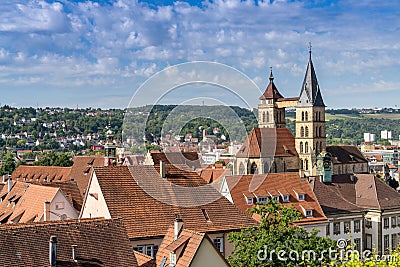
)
(92, 207)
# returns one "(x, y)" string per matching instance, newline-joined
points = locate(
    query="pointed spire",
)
(310, 92)
(271, 76)
(271, 92)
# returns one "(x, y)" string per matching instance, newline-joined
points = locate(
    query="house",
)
(245, 191)
(95, 242)
(40, 174)
(347, 159)
(147, 201)
(360, 207)
(23, 202)
(186, 248)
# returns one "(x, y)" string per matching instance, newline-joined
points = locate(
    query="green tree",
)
(54, 159)
(254, 246)
(8, 165)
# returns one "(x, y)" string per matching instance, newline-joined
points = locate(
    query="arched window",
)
(302, 131)
(302, 115)
(301, 164)
(306, 147)
(316, 148)
(301, 147)
(263, 116)
(306, 115)
(316, 131)
(253, 169)
(320, 131)
(241, 168)
(306, 131)
(306, 164)
(267, 116)
(266, 168)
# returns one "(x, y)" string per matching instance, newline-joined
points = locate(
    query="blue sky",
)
(97, 53)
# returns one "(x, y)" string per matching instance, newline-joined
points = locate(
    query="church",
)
(272, 148)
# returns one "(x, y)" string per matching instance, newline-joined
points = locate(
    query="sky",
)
(98, 53)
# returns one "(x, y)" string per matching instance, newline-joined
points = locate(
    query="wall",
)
(67, 210)
(207, 256)
(92, 207)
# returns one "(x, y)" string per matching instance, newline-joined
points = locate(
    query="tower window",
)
(253, 169)
(263, 117)
(302, 131)
(306, 116)
(301, 147)
(267, 116)
(306, 164)
(306, 130)
(306, 147)
(302, 115)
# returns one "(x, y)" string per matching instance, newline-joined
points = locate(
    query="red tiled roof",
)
(188, 241)
(267, 142)
(144, 260)
(39, 174)
(271, 92)
(98, 243)
(213, 173)
(81, 170)
(346, 154)
(261, 185)
(177, 158)
(145, 216)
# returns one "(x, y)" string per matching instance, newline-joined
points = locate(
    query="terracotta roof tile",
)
(144, 260)
(267, 142)
(145, 216)
(81, 170)
(41, 174)
(261, 185)
(177, 158)
(98, 243)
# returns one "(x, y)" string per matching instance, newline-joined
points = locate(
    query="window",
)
(59, 205)
(249, 200)
(307, 132)
(219, 244)
(308, 213)
(328, 229)
(301, 196)
(150, 250)
(205, 214)
(398, 221)
(393, 222)
(357, 226)
(302, 131)
(285, 198)
(385, 242)
(386, 223)
(394, 241)
(336, 228)
(253, 169)
(302, 115)
(368, 223)
(368, 241)
(301, 147)
(306, 147)
(267, 117)
(263, 117)
(172, 258)
(357, 242)
(262, 199)
(306, 116)
(306, 164)
(276, 198)
(347, 228)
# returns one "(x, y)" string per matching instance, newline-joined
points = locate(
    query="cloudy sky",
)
(97, 53)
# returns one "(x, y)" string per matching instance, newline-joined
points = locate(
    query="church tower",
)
(269, 114)
(110, 148)
(310, 121)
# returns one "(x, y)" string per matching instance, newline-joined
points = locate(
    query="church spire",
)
(310, 92)
(271, 92)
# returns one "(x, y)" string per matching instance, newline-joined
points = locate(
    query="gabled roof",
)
(39, 174)
(144, 260)
(346, 154)
(81, 170)
(265, 185)
(187, 244)
(271, 92)
(310, 94)
(146, 216)
(364, 192)
(214, 172)
(29, 200)
(267, 142)
(98, 243)
(71, 192)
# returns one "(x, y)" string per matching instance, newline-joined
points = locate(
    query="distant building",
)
(386, 135)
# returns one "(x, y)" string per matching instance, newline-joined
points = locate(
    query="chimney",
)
(46, 213)
(53, 251)
(9, 184)
(74, 253)
(162, 169)
(178, 223)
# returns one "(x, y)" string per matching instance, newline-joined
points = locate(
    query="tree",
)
(53, 159)
(260, 245)
(8, 165)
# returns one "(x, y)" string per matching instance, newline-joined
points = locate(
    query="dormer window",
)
(285, 198)
(309, 213)
(276, 198)
(249, 200)
(262, 199)
(301, 197)
(172, 258)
